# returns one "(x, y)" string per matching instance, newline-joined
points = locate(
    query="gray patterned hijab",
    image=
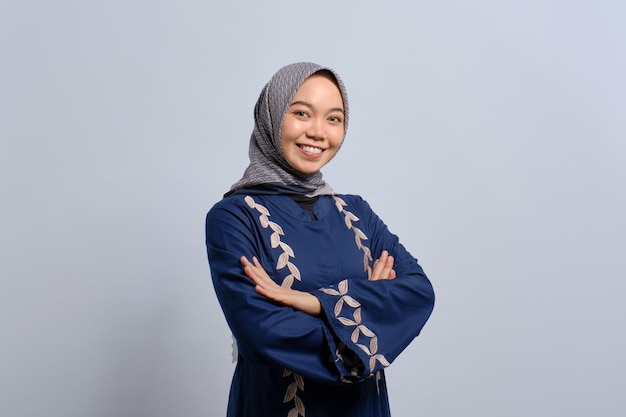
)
(267, 162)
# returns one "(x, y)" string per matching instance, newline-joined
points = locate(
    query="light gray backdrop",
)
(489, 135)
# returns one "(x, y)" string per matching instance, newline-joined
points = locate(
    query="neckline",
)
(306, 203)
(285, 204)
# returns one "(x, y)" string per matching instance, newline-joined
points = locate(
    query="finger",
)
(256, 274)
(388, 266)
(254, 271)
(264, 292)
(377, 261)
(378, 267)
(261, 277)
(251, 273)
(392, 274)
(275, 293)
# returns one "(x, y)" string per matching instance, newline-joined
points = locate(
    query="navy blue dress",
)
(293, 364)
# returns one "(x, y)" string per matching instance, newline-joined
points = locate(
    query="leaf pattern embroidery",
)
(360, 329)
(294, 273)
(360, 332)
(292, 394)
(276, 242)
(359, 236)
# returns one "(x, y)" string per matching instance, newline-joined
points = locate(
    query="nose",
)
(315, 129)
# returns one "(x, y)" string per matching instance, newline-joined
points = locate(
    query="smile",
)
(311, 149)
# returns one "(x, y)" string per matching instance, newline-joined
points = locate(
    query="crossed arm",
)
(301, 300)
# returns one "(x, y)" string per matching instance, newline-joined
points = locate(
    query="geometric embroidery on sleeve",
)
(360, 329)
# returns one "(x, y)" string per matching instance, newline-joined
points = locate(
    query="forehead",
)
(319, 86)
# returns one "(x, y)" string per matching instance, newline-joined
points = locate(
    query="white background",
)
(489, 135)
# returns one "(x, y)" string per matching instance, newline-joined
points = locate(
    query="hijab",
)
(268, 171)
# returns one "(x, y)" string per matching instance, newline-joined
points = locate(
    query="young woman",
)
(319, 294)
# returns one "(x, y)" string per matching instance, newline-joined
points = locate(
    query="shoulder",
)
(239, 206)
(228, 209)
(227, 219)
(359, 207)
(228, 203)
(352, 202)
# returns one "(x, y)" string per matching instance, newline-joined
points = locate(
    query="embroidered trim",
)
(292, 394)
(283, 259)
(359, 328)
(294, 273)
(358, 234)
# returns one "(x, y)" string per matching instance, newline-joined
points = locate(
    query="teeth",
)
(311, 149)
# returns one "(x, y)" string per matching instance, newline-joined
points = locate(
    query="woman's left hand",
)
(299, 300)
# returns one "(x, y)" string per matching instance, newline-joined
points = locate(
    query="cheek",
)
(288, 132)
(337, 138)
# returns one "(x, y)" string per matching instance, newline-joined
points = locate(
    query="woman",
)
(319, 295)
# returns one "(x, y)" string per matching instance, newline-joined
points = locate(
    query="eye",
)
(335, 119)
(300, 113)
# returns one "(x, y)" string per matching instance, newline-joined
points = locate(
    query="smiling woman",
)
(313, 127)
(320, 296)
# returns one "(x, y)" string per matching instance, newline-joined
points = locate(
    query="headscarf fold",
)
(268, 166)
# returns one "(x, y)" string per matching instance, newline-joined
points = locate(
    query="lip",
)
(309, 154)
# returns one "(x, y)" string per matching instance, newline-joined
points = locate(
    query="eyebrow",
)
(309, 105)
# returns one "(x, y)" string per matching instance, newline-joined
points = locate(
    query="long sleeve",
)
(365, 324)
(377, 319)
(267, 333)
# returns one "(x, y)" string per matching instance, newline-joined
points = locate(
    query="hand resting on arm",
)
(300, 300)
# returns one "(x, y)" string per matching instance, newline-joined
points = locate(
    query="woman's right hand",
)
(264, 285)
(383, 267)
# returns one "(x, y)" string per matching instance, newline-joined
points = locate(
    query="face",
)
(313, 126)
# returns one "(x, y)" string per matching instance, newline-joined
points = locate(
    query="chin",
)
(308, 170)
(306, 167)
